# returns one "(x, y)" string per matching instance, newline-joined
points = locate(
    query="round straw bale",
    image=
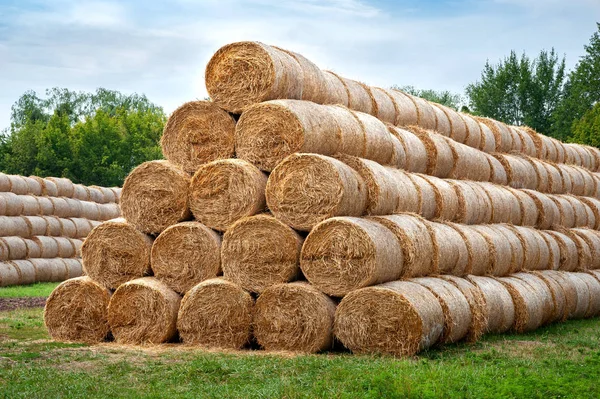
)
(520, 173)
(224, 191)
(446, 199)
(4, 251)
(268, 132)
(500, 257)
(440, 156)
(30, 205)
(414, 319)
(53, 269)
(74, 267)
(488, 138)
(117, 192)
(244, 73)
(76, 311)
(342, 254)
(115, 252)
(49, 246)
(529, 313)
(569, 258)
(592, 239)
(415, 241)
(26, 271)
(504, 139)
(517, 140)
(559, 297)
(541, 172)
(4, 182)
(143, 311)
(376, 138)
(334, 90)
(572, 155)
(548, 149)
(584, 215)
(469, 163)
(16, 247)
(81, 192)
(260, 251)
(425, 112)
(505, 206)
(294, 317)
(196, 133)
(529, 146)
(594, 293)
(556, 279)
(548, 212)
(566, 211)
(399, 158)
(37, 225)
(313, 79)
(500, 308)
(8, 274)
(66, 248)
(406, 114)
(46, 207)
(474, 134)
(95, 194)
(14, 226)
(62, 208)
(216, 314)
(583, 294)
(474, 206)
(584, 251)
(483, 201)
(455, 307)
(385, 105)
(458, 127)
(409, 196)
(577, 183)
(306, 189)
(33, 249)
(555, 180)
(359, 96)
(594, 205)
(518, 249)
(54, 226)
(185, 254)
(450, 252)
(442, 125)
(383, 191)
(67, 227)
(425, 194)
(566, 179)
(18, 185)
(64, 186)
(155, 196)
(10, 204)
(34, 186)
(479, 248)
(477, 304)
(104, 211)
(553, 250)
(416, 153)
(549, 308)
(529, 208)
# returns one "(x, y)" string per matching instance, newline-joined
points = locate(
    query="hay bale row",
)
(30, 226)
(17, 248)
(29, 271)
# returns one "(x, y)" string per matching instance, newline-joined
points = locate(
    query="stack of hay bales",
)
(331, 209)
(43, 222)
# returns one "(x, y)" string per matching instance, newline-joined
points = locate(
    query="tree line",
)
(97, 138)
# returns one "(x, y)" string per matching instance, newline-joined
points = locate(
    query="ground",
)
(561, 360)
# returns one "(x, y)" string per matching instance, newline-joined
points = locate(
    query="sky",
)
(160, 48)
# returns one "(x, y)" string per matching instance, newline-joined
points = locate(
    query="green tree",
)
(587, 129)
(582, 90)
(520, 91)
(445, 97)
(91, 138)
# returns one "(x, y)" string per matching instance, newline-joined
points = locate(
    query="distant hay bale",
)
(548, 212)
(26, 271)
(500, 254)
(416, 153)
(294, 317)
(519, 172)
(592, 239)
(446, 199)
(440, 156)
(82, 227)
(333, 91)
(415, 241)
(594, 205)
(573, 179)
(458, 127)
(529, 209)
(559, 297)
(410, 195)
(96, 194)
(30, 206)
(553, 250)
(538, 285)
(425, 112)
(77, 311)
(143, 311)
(81, 192)
(443, 124)
(10, 204)
(505, 206)
(413, 315)
(155, 196)
(64, 186)
(386, 108)
(474, 134)
(50, 246)
(14, 226)
(426, 194)
(109, 211)
(115, 252)
(518, 249)
(226, 190)
(479, 247)
(555, 180)
(216, 314)
(528, 145)
(34, 249)
(470, 164)
(450, 252)
(455, 307)
(52, 269)
(541, 173)
(584, 251)
(502, 135)
(34, 186)
(584, 215)
(477, 304)
(260, 251)
(569, 257)
(569, 290)
(16, 247)
(74, 267)
(343, 254)
(90, 210)
(54, 226)
(500, 308)
(593, 290)
(196, 133)
(18, 185)
(582, 292)
(66, 247)
(185, 254)
(488, 138)
(306, 189)
(528, 304)
(566, 212)
(9, 274)
(61, 207)
(67, 227)
(474, 206)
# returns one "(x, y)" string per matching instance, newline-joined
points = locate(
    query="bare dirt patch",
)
(18, 303)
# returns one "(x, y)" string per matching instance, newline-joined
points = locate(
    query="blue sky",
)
(160, 48)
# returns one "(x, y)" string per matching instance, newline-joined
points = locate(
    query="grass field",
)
(560, 361)
(23, 291)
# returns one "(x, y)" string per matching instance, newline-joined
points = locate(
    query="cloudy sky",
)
(160, 48)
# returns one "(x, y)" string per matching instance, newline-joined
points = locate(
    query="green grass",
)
(31, 290)
(561, 360)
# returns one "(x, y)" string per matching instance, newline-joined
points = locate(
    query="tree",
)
(91, 138)
(582, 90)
(447, 98)
(520, 91)
(587, 129)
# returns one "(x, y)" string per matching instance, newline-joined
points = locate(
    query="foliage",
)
(520, 91)
(444, 97)
(561, 360)
(91, 138)
(587, 129)
(582, 91)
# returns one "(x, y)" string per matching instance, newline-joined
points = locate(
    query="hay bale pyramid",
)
(299, 208)
(43, 222)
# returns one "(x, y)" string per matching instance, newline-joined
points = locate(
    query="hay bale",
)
(415, 241)
(62, 208)
(503, 137)
(569, 257)
(49, 246)
(26, 271)
(14, 226)
(53, 269)
(306, 189)
(342, 254)
(450, 252)
(566, 211)
(594, 205)
(416, 153)
(34, 186)
(517, 141)
(81, 192)
(294, 317)
(480, 249)
(30, 205)
(74, 267)
(54, 226)
(549, 308)
(505, 206)
(469, 163)
(548, 212)
(109, 211)
(333, 91)
(18, 185)
(82, 227)
(115, 252)
(90, 210)
(567, 286)
(488, 139)
(518, 249)
(16, 247)
(446, 199)
(96, 194)
(409, 194)
(520, 173)
(76, 311)
(143, 311)
(541, 173)
(559, 297)
(498, 302)
(458, 127)
(553, 250)
(260, 251)
(443, 125)
(582, 291)
(10, 204)
(185, 254)
(426, 114)
(474, 206)
(406, 114)
(226, 190)
(455, 307)
(584, 252)
(216, 314)
(528, 304)
(555, 180)
(592, 240)
(573, 179)
(65, 246)
(33, 248)
(196, 133)
(64, 186)
(385, 106)
(593, 290)
(477, 305)
(155, 196)
(440, 155)
(529, 209)
(413, 316)
(584, 215)
(474, 134)
(497, 172)
(67, 226)
(501, 254)
(8, 274)
(426, 195)
(528, 145)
